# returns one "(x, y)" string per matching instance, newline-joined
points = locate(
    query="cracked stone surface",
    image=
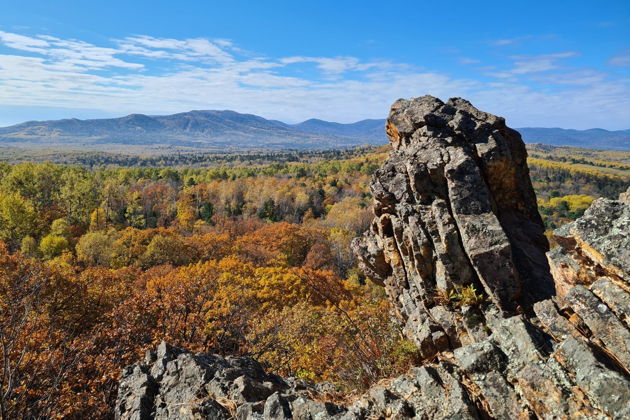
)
(454, 206)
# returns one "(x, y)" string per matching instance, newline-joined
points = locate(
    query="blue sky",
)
(548, 64)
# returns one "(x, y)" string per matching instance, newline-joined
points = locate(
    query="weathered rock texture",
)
(454, 207)
(172, 383)
(595, 245)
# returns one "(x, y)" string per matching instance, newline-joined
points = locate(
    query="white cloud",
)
(335, 65)
(523, 65)
(69, 52)
(501, 42)
(23, 43)
(572, 77)
(622, 60)
(509, 41)
(468, 60)
(187, 49)
(163, 75)
(539, 63)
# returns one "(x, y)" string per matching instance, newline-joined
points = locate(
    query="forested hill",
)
(368, 129)
(204, 131)
(194, 130)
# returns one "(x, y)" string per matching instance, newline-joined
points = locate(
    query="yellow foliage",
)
(575, 202)
(467, 295)
(549, 164)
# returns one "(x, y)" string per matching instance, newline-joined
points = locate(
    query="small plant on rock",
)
(467, 296)
(445, 297)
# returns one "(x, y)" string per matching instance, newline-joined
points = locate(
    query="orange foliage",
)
(241, 287)
(282, 243)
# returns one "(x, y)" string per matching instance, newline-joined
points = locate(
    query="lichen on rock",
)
(595, 245)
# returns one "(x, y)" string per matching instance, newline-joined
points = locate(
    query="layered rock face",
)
(595, 245)
(454, 207)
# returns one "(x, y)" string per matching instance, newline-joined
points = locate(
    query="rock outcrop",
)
(596, 245)
(172, 383)
(454, 212)
(454, 207)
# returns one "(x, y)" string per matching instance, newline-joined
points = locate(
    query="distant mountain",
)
(231, 131)
(205, 130)
(594, 138)
(368, 129)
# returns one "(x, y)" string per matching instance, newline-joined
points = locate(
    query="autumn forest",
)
(100, 262)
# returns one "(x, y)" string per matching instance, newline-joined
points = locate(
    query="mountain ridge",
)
(200, 129)
(228, 129)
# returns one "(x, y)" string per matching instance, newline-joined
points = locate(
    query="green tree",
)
(38, 183)
(59, 227)
(29, 246)
(52, 246)
(78, 195)
(268, 211)
(17, 218)
(206, 212)
(164, 249)
(94, 248)
(113, 200)
(169, 173)
(134, 213)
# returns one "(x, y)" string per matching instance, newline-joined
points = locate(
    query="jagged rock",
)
(454, 206)
(596, 245)
(277, 407)
(484, 363)
(613, 296)
(449, 323)
(602, 323)
(136, 394)
(555, 324)
(172, 383)
(606, 389)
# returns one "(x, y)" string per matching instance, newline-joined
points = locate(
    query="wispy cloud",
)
(528, 64)
(468, 60)
(71, 53)
(572, 77)
(509, 41)
(622, 60)
(148, 74)
(538, 63)
(24, 43)
(187, 49)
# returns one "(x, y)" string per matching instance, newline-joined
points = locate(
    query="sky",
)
(537, 63)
